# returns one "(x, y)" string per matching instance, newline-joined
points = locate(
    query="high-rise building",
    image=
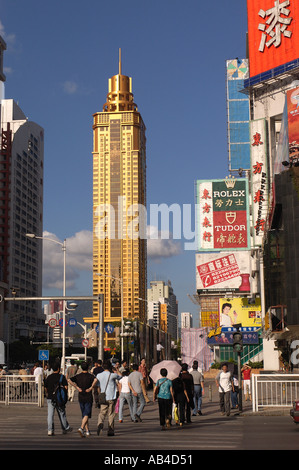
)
(21, 212)
(119, 202)
(162, 294)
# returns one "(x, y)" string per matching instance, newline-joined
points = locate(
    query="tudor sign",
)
(222, 214)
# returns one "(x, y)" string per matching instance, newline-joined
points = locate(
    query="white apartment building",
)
(186, 320)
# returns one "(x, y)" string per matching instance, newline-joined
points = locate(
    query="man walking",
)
(136, 385)
(84, 383)
(107, 382)
(224, 381)
(198, 382)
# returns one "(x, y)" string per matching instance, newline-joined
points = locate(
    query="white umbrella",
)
(173, 369)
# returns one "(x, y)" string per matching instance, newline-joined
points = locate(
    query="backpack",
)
(59, 397)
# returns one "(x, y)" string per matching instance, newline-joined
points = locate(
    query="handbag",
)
(102, 396)
(158, 387)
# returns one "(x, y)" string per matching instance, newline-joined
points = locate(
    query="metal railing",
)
(21, 389)
(274, 390)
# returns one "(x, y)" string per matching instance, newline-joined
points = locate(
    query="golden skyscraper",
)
(119, 198)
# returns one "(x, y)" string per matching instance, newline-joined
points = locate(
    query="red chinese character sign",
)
(222, 215)
(259, 179)
(293, 123)
(273, 33)
(222, 272)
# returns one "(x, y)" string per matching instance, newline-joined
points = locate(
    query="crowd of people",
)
(122, 386)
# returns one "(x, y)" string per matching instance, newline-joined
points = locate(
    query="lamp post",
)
(63, 246)
(122, 310)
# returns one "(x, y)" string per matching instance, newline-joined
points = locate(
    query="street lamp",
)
(63, 245)
(122, 309)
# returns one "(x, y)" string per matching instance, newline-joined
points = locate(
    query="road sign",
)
(109, 328)
(61, 322)
(85, 343)
(52, 323)
(72, 322)
(43, 355)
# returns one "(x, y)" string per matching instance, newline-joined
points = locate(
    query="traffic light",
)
(237, 341)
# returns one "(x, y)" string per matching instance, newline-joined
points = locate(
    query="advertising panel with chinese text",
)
(222, 272)
(259, 179)
(273, 33)
(293, 123)
(238, 311)
(223, 215)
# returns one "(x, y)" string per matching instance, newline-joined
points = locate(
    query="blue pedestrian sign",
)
(43, 355)
(109, 328)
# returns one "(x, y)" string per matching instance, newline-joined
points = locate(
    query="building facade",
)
(119, 202)
(21, 212)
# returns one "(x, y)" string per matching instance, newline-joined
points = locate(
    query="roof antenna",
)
(119, 62)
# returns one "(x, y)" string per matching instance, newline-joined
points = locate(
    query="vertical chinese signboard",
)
(259, 179)
(273, 33)
(222, 215)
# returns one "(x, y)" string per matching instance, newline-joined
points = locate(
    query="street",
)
(25, 428)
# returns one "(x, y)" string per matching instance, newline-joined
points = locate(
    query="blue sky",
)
(59, 57)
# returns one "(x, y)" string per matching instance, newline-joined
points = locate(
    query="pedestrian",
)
(51, 383)
(189, 386)
(224, 382)
(38, 373)
(246, 374)
(143, 370)
(180, 398)
(84, 383)
(70, 373)
(2, 371)
(123, 366)
(135, 382)
(164, 393)
(107, 382)
(159, 351)
(234, 393)
(97, 369)
(25, 385)
(198, 382)
(125, 395)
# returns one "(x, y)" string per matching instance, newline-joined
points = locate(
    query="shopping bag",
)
(117, 406)
(174, 407)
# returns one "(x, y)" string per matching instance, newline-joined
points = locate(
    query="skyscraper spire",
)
(120, 96)
(119, 62)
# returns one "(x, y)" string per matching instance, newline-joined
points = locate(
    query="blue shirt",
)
(111, 387)
(164, 389)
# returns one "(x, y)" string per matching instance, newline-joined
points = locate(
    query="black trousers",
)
(165, 410)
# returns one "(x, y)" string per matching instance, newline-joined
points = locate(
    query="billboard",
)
(238, 311)
(293, 123)
(223, 214)
(223, 272)
(259, 179)
(224, 336)
(238, 110)
(273, 33)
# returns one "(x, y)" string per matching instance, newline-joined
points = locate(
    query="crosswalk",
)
(26, 428)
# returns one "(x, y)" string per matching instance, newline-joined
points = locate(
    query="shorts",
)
(86, 409)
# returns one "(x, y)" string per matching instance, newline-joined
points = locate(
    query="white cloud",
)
(161, 245)
(70, 87)
(78, 258)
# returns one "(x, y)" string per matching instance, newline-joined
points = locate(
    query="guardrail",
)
(21, 389)
(274, 390)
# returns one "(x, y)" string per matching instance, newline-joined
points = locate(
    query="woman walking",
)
(164, 392)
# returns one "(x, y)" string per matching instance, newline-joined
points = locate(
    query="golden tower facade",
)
(119, 202)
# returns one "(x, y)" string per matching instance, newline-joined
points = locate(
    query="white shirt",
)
(224, 380)
(37, 372)
(124, 385)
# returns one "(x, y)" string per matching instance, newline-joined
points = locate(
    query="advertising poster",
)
(259, 179)
(222, 272)
(293, 123)
(223, 214)
(273, 33)
(225, 337)
(238, 311)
